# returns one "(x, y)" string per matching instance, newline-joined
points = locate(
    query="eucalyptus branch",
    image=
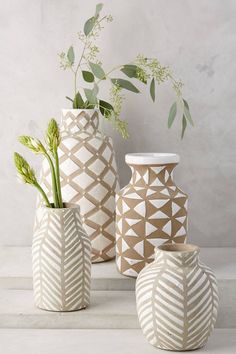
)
(78, 66)
(109, 72)
(142, 69)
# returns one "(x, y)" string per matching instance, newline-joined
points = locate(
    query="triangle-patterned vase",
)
(150, 210)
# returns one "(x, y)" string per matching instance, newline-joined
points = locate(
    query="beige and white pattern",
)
(177, 299)
(88, 177)
(150, 210)
(61, 254)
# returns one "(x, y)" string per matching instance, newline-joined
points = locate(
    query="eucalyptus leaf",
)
(184, 125)
(105, 108)
(172, 114)
(70, 99)
(89, 24)
(88, 105)
(98, 9)
(75, 104)
(130, 70)
(187, 112)
(87, 76)
(91, 96)
(78, 101)
(97, 71)
(71, 55)
(125, 84)
(152, 89)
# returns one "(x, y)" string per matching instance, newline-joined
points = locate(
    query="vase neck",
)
(75, 120)
(152, 175)
(177, 255)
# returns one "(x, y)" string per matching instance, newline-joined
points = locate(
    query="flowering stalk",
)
(54, 183)
(53, 141)
(37, 147)
(41, 191)
(27, 175)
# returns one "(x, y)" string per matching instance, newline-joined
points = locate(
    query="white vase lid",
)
(151, 158)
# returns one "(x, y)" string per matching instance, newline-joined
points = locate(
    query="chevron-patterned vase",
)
(88, 177)
(177, 299)
(150, 210)
(61, 255)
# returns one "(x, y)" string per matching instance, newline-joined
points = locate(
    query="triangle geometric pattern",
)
(150, 211)
(88, 178)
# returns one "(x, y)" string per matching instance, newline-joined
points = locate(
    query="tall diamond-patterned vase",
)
(150, 210)
(177, 299)
(61, 254)
(88, 177)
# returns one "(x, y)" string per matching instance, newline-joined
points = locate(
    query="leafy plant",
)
(27, 174)
(87, 68)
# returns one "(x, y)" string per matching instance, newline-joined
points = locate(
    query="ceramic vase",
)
(61, 254)
(150, 210)
(177, 299)
(88, 178)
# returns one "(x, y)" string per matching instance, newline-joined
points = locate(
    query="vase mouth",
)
(65, 110)
(151, 158)
(178, 248)
(66, 206)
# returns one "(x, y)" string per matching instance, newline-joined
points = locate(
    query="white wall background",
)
(196, 38)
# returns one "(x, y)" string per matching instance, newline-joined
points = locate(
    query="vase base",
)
(99, 259)
(62, 310)
(179, 350)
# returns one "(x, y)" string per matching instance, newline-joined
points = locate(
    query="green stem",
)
(57, 172)
(109, 72)
(54, 185)
(45, 198)
(75, 83)
(78, 66)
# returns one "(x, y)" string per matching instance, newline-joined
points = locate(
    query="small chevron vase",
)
(61, 255)
(88, 178)
(177, 299)
(150, 210)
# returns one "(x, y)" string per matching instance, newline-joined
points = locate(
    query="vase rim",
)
(178, 248)
(151, 158)
(66, 207)
(65, 110)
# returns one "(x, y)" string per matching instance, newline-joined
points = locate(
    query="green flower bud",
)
(53, 136)
(25, 172)
(33, 144)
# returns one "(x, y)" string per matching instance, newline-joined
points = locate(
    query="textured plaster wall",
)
(196, 38)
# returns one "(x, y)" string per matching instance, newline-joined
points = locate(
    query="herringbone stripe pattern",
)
(61, 255)
(88, 178)
(177, 301)
(150, 211)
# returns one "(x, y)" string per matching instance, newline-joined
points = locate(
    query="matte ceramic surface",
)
(88, 177)
(150, 210)
(177, 299)
(61, 255)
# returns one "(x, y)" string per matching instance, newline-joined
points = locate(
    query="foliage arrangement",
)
(50, 152)
(89, 69)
